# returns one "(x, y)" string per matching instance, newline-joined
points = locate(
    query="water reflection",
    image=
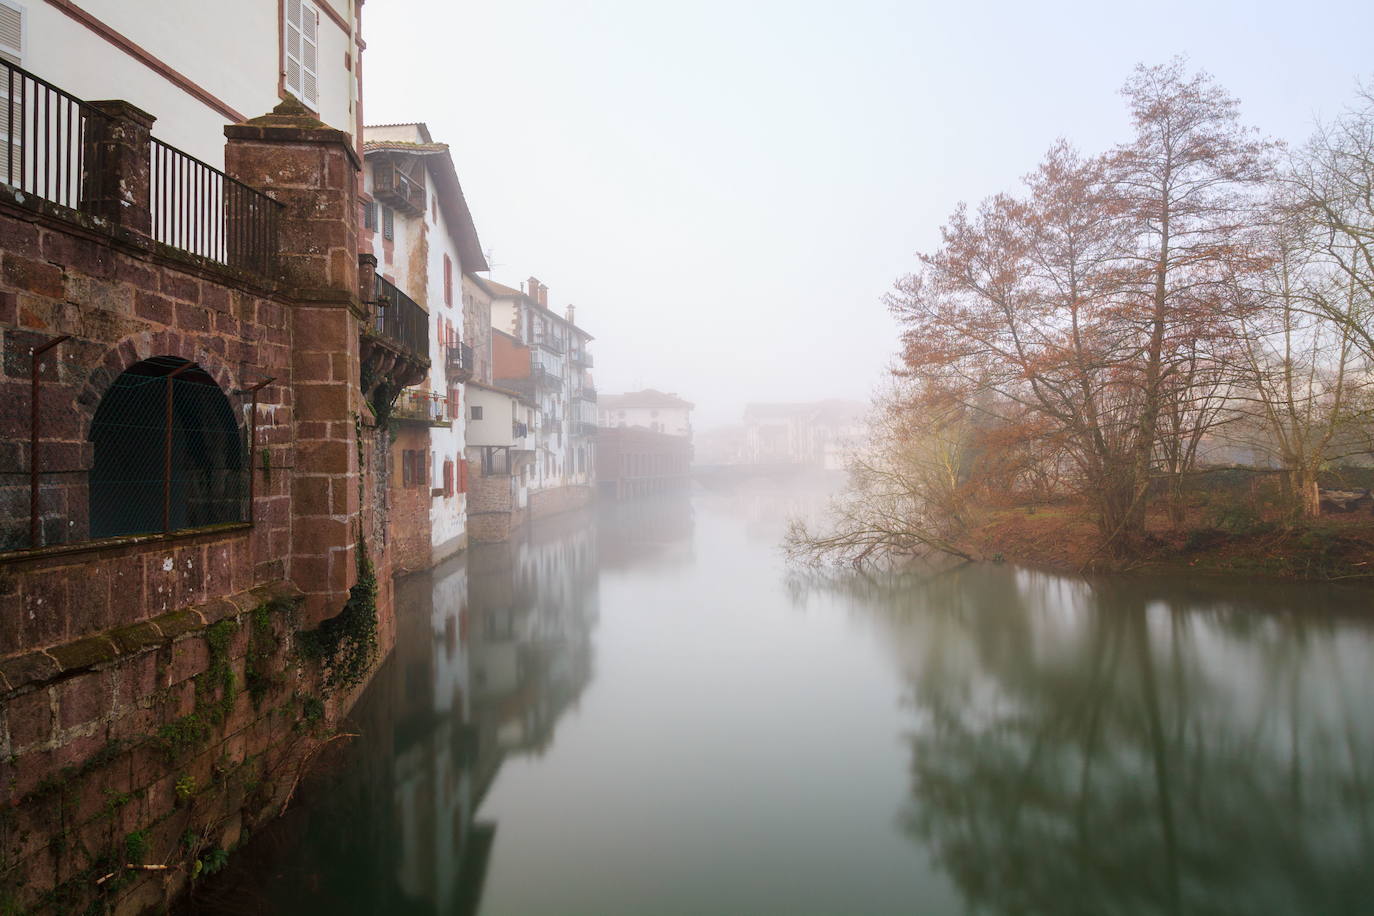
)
(491, 648)
(1134, 747)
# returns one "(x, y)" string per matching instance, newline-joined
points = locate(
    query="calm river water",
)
(640, 710)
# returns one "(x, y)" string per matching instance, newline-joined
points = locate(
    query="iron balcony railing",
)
(198, 208)
(49, 149)
(54, 147)
(549, 342)
(587, 393)
(542, 377)
(583, 428)
(458, 360)
(400, 319)
(553, 426)
(422, 406)
(582, 359)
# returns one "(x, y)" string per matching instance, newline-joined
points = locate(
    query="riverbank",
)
(1065, 538)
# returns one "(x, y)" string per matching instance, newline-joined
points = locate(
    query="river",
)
(640, 709)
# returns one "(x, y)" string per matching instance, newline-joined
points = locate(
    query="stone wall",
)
(544, 503)
(160, 743)
(159, 693)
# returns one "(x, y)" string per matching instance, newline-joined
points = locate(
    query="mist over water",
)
(642, 710)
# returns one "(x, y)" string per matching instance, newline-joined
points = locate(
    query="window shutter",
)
(370, 215)
(448, 281)
(11, 107)
(462, 475)
(310, 28)
(12, 32)
(448, 478)
(421, 478)
(388, 223)
(293, 48)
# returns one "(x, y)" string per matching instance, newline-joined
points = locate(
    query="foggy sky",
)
(726, 189)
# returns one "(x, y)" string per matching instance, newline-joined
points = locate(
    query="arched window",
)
(147, 477)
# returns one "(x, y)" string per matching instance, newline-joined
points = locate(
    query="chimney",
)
(543, 296)
(532, 288)
(572, 312)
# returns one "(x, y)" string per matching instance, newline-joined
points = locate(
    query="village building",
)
(500, 428)
(649, 409)
(417, 225)
(195, 67)
(820, 434)
(544, 357)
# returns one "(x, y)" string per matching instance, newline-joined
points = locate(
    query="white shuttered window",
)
(12, 25)
(302, 52)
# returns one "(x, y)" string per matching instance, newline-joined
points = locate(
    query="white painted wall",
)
(675, 421)
(231, 50)
(498, 418)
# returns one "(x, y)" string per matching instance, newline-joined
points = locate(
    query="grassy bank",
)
(1065, 537)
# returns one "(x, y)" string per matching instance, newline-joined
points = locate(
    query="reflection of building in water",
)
(650, 533)
(534, 604)
(492, 646)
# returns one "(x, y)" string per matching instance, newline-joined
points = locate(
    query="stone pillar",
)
(312, 169)
(116, 181)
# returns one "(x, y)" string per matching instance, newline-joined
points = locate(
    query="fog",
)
(727, 189)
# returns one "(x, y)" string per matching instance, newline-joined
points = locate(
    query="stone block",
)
(30, 718)
(83, 699)
(32, 276)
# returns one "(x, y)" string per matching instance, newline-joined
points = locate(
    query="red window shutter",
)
(448, 281)
(448, 478)
(462, 475)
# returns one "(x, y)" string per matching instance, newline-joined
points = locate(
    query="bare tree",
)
(905, 497)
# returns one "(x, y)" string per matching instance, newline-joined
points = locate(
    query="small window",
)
(370, 215)
(388, 223)
(302, 52)
(476, 412)
(420, 479)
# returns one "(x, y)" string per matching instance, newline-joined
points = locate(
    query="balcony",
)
(553, 426)
(96, 160)
(587, 393)
(458, 363)
(519, 430)
(398, 190)
(582, 428)
(400, 320)
(582, 359)
(549, 343)
(424, 407)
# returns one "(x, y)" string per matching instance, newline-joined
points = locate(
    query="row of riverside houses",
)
(249, 376)
(501, 428)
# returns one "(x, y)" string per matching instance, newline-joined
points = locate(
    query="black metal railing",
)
(48, 150)
(582, 428)
(198, 208)
(548, 342)
(542, 377)
(458, 359)
(587, 393)
(583, 359)
(400, 318)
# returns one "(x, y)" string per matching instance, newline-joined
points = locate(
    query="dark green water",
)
(640, 711)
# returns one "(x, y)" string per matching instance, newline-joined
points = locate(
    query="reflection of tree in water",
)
(1082, 750)
(491, 649)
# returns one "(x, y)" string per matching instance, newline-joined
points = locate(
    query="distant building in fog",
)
(649, 409)
(820, 434)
